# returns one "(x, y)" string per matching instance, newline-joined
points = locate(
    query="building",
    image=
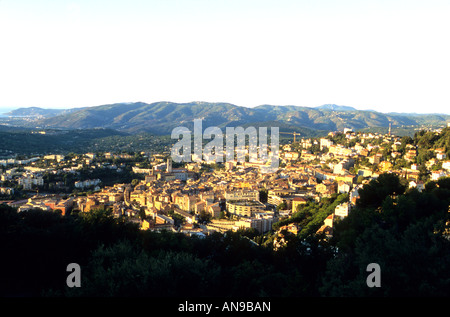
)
(343, 166)
(169, 165)
(138, 170)
(187, 216)
(297, 201)
(281, 195)
(435, 175)
(327, 227)
(220, 225)
(214, 210)
(291, 156)
(160, 167)
(245, 208)
(364, 172)
(340, 150)
(306, 143)
(94, 203)
(375, 159)
(419, 185)
(364, 152)
(441, 155)
(354, 194)
(275, 200)
(326, 188)
(446, 165)
(87, 183)
(138, 196)
(385, 166)
(262, 223)
(33, 205)
(29, 181)
(342, 210)
(344, 187)
(186, 202)
(162, 219)
(63, 205)
(200, 207)
(58, 158)
(325, 143)
(329, 221)
(6, 191)
(293, 228)
(348, 130)
(410, 155)
(242, 195)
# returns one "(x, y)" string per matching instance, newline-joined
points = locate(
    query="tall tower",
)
(169, 165)
(389, 129)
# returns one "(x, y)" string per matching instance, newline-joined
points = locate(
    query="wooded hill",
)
(162, 117)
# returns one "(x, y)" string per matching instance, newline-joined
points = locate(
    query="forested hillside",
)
(26, 142)
(163, 117)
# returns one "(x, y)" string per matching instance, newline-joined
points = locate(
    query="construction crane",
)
(294, 133)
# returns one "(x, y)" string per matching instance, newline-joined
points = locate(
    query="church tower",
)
(169, 165)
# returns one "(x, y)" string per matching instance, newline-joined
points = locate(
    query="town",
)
(197, 198)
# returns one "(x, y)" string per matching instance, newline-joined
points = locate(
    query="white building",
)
(435, 175)
(29, 181)
(342, 210)
(325, 143)
(344, 187)
(446, 165)
(348, 130)
(58, 158)
(262, 222)
(139, 170)
(87, 183)
(20, 162)
(417, 184)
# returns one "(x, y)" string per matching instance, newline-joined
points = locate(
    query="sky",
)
(384, 55)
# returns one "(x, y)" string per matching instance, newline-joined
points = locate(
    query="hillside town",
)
(197, 199)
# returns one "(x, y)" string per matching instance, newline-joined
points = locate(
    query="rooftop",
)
(246, 202)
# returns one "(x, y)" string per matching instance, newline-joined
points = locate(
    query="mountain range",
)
(162, 117)
(39, 112)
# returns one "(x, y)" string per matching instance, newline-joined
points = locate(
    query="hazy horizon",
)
(8, 109)
(387, 56)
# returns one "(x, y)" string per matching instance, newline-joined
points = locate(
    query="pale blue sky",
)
(381, 55)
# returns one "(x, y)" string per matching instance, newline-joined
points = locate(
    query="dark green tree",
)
(373, 194)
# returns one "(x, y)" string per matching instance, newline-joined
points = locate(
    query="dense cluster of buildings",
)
(197, 201)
